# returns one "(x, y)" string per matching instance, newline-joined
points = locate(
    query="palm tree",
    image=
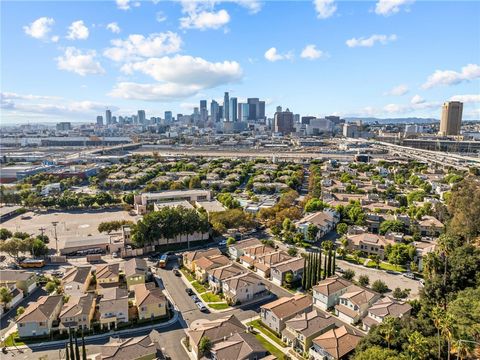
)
(388, 330)
(462, 348)
(446, 328)
(437, 314)
(418, 346)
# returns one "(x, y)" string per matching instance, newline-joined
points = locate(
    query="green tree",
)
(379, 286)
(418, 346)
(348, 274)
(20, 310)
(388, 329)
(292, 251)
(342, 228)
(289, 279)
(363, 280)
(312, 231)
(204, 346)
(50, 287)
(5, 296)
(391, 225)
(376, 353)
(231, 241)
(5, 234)
(464, 206)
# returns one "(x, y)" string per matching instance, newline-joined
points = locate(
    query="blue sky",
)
(387, 58)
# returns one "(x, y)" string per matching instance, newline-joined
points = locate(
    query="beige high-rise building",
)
(451, 118)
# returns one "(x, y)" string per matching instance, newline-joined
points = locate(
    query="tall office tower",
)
(296, 118)
(243, 112)
(226, 105)
(350, 130)
(141, 116)
(168, 117)
(283, 122)
(279, 109)
(203, 111)
(233, 110)
(221, 112)
(99, 120)
(108, 117)
(121, 120)
(261, 110)
(451, 118)
(306, 119)
(214, 111)
(253, 108)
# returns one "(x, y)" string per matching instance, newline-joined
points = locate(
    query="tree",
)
(418, 346)
(312, 231)
(363, 280)
(376, 353)
(289, 279)
(348, 274)
(292, 251)
(391, 225)
(388, 329)
(375, 259)
(464, 206)
(205, 345)
(5, 296)
(50, 287)
(5, 234)
(12, 247)
(379, 286)
(342, 228)
(77, 350)
(231, 241)
(400, 294)
(20, 310)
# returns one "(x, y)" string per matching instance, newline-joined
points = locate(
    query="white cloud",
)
(40, 28)
(325, 8)
(187, 70)
(81, 63)
(205, 20)
(178, 77)
(16, 96)
(451, 77)
(399, 90)
(127, 4)
(114, 28)
(137, 46)
(370, 41)
(311, 52)
(417, 99)
(77, 31)
(160, 16)
(389, 7)
(55, 38)
(473, 98)
(273, 55)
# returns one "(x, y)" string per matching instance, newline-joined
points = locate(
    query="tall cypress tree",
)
(325, 267)
(310, 270)
(329, 266)
(77, 349)
(72, 351)
(319, 267)
(333, 261)
(314, 270)
(304, 276)
(84, 351)
(67, 355)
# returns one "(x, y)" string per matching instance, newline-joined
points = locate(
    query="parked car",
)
(195, 298)
(222, 243)
(422, 282)
(409, 275)
(391, 272)
(201, 307)
(176, 272)
(189, 291)
(114, 255)
(339, 270)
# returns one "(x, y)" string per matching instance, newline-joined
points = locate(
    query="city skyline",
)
(70, 62)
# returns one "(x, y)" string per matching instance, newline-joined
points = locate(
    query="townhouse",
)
(383, 308)
(430, 226)
(325, 221)
(335, 344)
(217, 276)
(354, 303)
(135, 272)
(277, 313)
(143, 347)
(239, 346)
(113, 307)
(190, 257)
(327, 292)
(150, 301)
(25, 281)
(279, 271)
(107, 276)
(250, 254)
(243, 288)
(76, 280)
(370, 244)
(300, 331)
(40, 317)
(203, 264)
(78, 312)
(238, 249)
(263, 264)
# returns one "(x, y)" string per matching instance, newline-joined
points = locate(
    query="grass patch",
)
(9, 340)
(187, 275)
(199, 287)
(386, 266)
(210, 297)
(270, 348)
(257, 324)
(222, 306)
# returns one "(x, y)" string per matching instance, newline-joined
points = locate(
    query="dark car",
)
(391, 272)
(189, 291)
(176, 272)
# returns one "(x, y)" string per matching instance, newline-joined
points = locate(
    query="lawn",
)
(222, 306)
(9, 340)
(209, 297)
(187, 275)
(270, 348)
(199, 287)
(386, 266)
(257, 324)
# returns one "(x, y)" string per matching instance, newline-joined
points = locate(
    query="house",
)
(16, 296)
(39, 317)
(383, 308)
(263, 264)
(107, 275)
(76, 280)
(113, 307)
(335, 344)
(327, 292)
(216, 330)
(325, 221)
(239, 346)
(204, 264)
(422, 249)
(243, 288)
(277, 313)
(150, 301)
(303, 328)
(370, 244)
(254, 252)
(190, 256)
(21, 279)
(218, 275)
(279, 271)
(354, 303)
(430, 226)
(138, 348)
(78, 312)
(135, 272)
(238, 249)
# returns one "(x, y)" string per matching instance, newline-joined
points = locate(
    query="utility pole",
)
(55, 223)
(42, 230)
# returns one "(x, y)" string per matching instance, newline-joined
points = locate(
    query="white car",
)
(114, 255)
(200, 306)
(222, 243)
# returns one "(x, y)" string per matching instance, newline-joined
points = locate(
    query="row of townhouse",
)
(222, 275)
(267, 261)
(325, 221)
(19, 283)
(107, 304)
